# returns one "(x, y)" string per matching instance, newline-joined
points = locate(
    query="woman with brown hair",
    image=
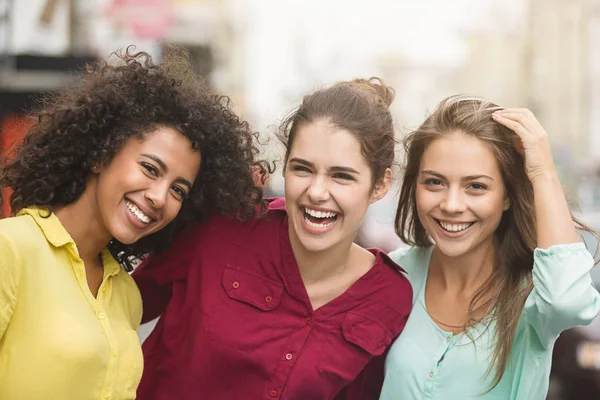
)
(496, 265)
(286, 306)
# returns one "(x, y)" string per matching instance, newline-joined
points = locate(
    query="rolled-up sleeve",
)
(10, 267)
(563, 294)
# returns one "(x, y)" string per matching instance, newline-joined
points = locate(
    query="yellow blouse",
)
(57, 341)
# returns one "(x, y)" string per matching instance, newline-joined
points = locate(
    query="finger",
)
(513, 125)
(532, 128)
(525, 118)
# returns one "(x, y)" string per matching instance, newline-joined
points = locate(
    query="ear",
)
(382, 188)
(507, 204)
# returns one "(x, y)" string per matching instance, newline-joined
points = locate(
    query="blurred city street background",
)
(265, 54)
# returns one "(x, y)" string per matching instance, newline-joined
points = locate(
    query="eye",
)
(150, 169)
(477, 186)
(300, 168)
(180, 192)
(432, 182)
(343, 176)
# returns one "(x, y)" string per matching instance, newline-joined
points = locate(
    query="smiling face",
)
(328, 187)
(460, 193)
(141, 190)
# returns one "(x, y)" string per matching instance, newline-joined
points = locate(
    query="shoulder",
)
(257, 233)
(383, 298)
(21, 234)
(222, 236)
(414, 260)
(16, 225)
(17, 243)
(391, 287)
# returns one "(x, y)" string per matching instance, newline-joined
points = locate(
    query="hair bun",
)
(377, 87)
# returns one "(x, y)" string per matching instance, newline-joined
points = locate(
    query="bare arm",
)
(554, 224)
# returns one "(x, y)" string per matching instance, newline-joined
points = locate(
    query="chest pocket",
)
(345, 354)
(244, 317)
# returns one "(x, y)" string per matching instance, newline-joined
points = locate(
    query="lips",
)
(139, 216)
(318, 221)
(455, 226)
(453, 229)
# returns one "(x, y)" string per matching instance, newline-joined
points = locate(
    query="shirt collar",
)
(50, 225)
(57, 235)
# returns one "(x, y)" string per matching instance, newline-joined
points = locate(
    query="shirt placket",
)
(445, 346)
(102, 317)
(289, 357)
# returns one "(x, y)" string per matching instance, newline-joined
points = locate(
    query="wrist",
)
(545, 178)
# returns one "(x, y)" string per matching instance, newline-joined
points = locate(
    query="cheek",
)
(425, 200)
(352, 199)
(172, 211)
(491, 208)
(293, 186)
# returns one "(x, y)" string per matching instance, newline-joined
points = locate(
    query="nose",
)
(453, 202)
(318, 191)
(157, 195)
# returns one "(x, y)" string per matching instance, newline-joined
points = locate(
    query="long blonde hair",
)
(516, 233)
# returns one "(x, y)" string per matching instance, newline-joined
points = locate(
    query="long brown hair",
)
(516, 233)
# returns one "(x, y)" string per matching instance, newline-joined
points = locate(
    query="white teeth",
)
(319, 214)
(455, 227)
(315, 225)
(138, 213)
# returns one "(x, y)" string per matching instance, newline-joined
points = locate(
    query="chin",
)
(127, 238)
(453, 250)
(314, 244)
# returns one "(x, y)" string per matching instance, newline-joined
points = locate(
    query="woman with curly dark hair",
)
(112, 169)
(287, 305)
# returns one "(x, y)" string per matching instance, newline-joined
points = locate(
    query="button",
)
(273, 393)
(431, 374)
(448, 339)
(268, 299)
(113, 353)
(236, 285)
(308, 320)
(289, 356)
(103, 290)
(101, 315)
(351, 329)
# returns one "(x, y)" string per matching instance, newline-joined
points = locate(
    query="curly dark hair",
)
(87, 124)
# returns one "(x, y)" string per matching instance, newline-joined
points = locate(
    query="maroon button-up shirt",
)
(237, 322)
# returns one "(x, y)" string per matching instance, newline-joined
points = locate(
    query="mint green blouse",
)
(426, 362)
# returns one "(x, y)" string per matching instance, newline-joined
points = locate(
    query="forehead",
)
(322, 143)
(457, 154)
(173, 148)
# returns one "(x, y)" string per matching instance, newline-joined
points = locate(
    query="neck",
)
(321, 265)
(82, 221)
(467, 272)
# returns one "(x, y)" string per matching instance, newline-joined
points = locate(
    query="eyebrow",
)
(165, 169)
(334, 169)
(465, 178)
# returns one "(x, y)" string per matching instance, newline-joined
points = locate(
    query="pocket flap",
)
(258, 291)
(366, 332)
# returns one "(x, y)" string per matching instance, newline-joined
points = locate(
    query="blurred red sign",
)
(12, 128)
(148, 19)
